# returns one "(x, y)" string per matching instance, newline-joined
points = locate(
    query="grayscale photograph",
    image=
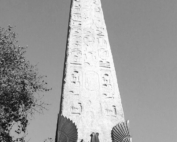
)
(88, 70)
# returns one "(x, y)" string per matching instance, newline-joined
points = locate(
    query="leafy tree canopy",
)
(19, 81)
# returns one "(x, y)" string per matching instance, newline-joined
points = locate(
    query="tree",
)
(19, 82)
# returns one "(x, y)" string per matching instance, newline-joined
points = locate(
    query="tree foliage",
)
(19, 81)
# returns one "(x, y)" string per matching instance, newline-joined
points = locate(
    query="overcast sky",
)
(143, 38)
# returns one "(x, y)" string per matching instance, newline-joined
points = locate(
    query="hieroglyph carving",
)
(86, 17)
(88, 36)
(75, 77)
(106, 78)
(76, 31)
(111, 110)
(75, 26)
(76, 7)
(92, 81)
(76, 16)
(98, 17)
(105, 64)
(90, 59)
(76, 41)
(74, 92)
(101, 39)
(76, 108)
(108, 94)
(102, 42)
(103, 54)
(75, 56)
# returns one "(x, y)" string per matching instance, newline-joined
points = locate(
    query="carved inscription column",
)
(90, 96)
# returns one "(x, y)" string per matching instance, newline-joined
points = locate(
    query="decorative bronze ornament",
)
(66, 131)
(120, 133)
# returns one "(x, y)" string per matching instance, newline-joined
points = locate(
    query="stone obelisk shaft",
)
(90, 96)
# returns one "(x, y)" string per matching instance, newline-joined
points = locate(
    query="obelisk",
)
(90, 97)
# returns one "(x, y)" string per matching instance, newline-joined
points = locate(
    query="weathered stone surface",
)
(90, 97)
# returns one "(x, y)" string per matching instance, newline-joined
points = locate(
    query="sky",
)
(143, 39)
